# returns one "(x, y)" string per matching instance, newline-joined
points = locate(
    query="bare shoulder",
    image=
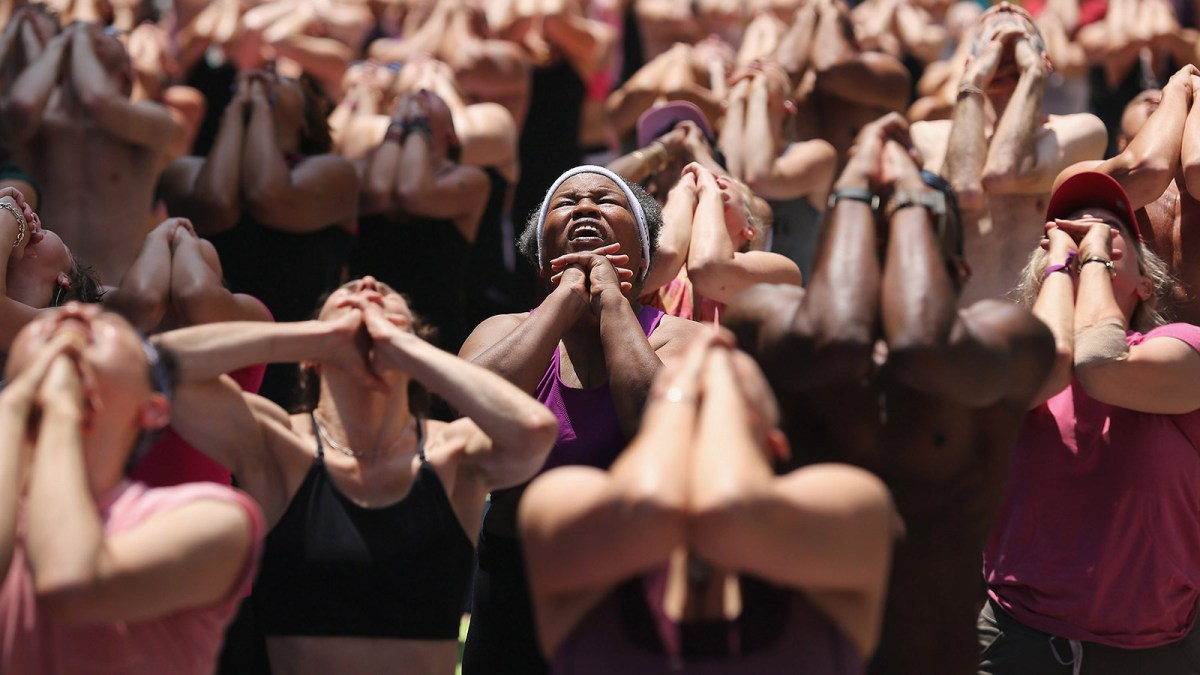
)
(1080, 127)
(673, 334)
(490, 331)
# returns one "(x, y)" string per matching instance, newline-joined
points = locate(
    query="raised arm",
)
(18, 408)
(314, 195)
(145, 124)
(207, 190)
(25, 102)
(518, 431)
(198, 293)
(967, 146)
(823, 528)
(993, 352)
(675, 236)
(1190, 149)
(1055, 307)
(717, 270)
(425, 188)
(866, 78)
(1148, 164)
(142, 297)
(1155, 376)
(519, 348)
(568, 516)
(80, 572)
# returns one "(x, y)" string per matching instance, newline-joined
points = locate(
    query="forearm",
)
(919, 300)
(1190, 152)
(841, 308)
(264, 171)
(209, 351)
(64, 537)
(1055, 307)
(1012, 154)
(710, 247)
(509, 416)
(323, 58)
(760, 150)
(1095, 301)
(584, 42)
(522, 356)
(142, 296)
(87, 76)
(674, 239)
(967, 149)
(14, 416)
(632, 363)
(733, 132)
(415, 175)
(1148, 164)
(795, 47)
(380, 177)
(215, 197)
(26, 101)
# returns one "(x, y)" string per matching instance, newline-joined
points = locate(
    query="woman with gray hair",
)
(589, 352)
(1092, 560)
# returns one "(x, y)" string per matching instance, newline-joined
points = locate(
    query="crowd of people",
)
(597, 336)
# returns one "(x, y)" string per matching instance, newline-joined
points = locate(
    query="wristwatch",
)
(931, 200)
(855, 194)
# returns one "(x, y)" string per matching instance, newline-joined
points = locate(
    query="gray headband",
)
(635, 206)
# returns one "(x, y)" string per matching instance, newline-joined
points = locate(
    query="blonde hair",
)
(1148, 314)
(758, 216)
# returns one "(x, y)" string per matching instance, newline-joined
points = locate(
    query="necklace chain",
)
(351, 452)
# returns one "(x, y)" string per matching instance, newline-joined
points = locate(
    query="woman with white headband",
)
(589, 352)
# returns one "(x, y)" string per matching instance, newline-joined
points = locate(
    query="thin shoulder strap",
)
(312, 415)
(421, 438)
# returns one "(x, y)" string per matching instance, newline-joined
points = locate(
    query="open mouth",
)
(586, 233)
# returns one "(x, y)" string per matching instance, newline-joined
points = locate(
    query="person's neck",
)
(363, 420)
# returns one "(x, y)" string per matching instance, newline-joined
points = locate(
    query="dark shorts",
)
(1008, 647)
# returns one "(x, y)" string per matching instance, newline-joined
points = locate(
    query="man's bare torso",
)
(97, 190)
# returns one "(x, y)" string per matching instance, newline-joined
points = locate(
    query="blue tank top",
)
(333, 568)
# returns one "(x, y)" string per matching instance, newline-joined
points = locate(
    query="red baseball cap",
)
(1092, 188)
(662, 118)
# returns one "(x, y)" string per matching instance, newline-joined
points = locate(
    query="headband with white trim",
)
(635, 207)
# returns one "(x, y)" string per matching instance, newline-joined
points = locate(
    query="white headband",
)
(634, 205)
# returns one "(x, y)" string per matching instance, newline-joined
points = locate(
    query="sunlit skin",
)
(119, 401)
(35, 279)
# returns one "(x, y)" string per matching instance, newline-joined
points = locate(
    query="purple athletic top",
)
(778, 632)
(588, 429)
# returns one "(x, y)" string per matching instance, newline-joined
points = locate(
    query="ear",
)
(63, 280)
(789, 106)
(778, 446)
(963, 269)
(1144, 289)
(748, 233)
(155, 413)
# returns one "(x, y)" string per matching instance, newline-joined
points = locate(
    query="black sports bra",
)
(333, 568)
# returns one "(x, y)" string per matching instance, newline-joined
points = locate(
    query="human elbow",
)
(1191, 177)
(63, 598)
(540, 428)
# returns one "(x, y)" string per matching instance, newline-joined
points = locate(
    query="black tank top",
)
(333, 568)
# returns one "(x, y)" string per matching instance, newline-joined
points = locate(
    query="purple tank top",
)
(588, 430)
(779, 632)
